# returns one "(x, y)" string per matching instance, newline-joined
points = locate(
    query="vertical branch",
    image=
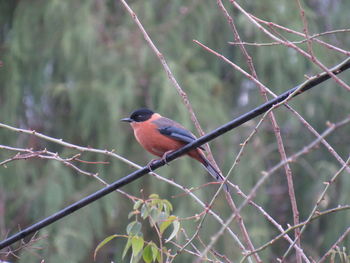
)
(340, 239)
(274, 123)
(319, 200)
(306, 29)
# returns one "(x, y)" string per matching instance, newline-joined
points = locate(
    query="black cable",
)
(171, 156)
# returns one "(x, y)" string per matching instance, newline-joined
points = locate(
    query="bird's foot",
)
(164, 158)
(165, 155)
(150, 164)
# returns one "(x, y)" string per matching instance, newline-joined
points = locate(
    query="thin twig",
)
(321, 197)
(340, 239)
(313, 37)
(305, 29)
(303, 121)
(276, 128)
(66, 144)
(302, 224)
(234, 215)
(288, 30)
(291, 159)
(289, 44)
(267, 174)
(45, 154)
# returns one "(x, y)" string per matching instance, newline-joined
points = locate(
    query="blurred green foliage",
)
(150, 214)
(72, 69)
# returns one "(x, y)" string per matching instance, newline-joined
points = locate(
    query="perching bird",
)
(160, 136)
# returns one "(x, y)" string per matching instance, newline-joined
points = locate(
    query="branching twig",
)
(319, 200)
(340, 239)
(267, 174)
(313, 37)
(289, 44)
(45, 154)
(66, 144)
(234, 215)
(23, 245)
(291, 228)
(271, 24)
(276, 128)
(290, 159)
(303, 121)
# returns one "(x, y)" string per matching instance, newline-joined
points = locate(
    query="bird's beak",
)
(126, 120)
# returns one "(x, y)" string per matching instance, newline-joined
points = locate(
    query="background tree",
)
(72, 69)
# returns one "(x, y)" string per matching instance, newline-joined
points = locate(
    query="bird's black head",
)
(139, 115)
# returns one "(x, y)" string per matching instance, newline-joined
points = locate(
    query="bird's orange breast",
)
(152, 140)
(148, 135)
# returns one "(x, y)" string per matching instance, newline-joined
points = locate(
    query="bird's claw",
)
(150, 164)
(165, 155)
(164, 158)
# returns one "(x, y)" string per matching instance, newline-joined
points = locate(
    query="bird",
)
(160, 136)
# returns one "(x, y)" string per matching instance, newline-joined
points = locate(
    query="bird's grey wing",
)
(175, 131)
(177, 134)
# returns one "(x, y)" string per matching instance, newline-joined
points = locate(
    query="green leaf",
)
(168, 207)
(154, 196)
(144, 211)
(159, 256)
(135, 258)
(176, 226)
(156, 203)
(134, 228)
(104, 242)
(126, 248)
(148, 254)
(165, 224)
(162, 217)
(137, 244)
(155, 251)
(154, 214)
(137, 204)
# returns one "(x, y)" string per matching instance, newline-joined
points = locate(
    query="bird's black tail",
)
(213, 171)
